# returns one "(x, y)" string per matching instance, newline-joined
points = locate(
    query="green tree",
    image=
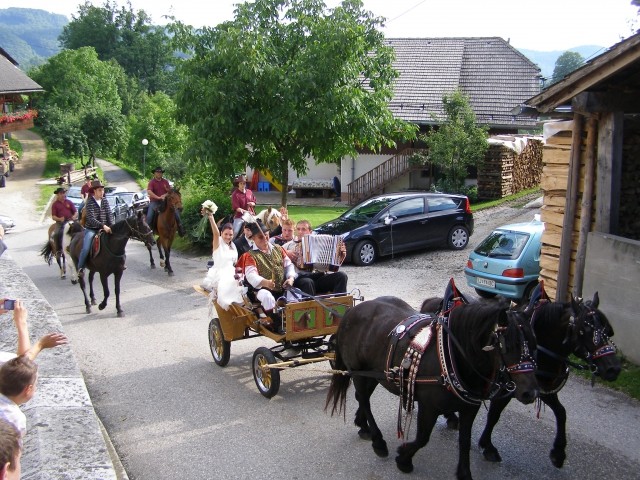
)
(457, 143)
(120, 33)
(565, 64)
(80, 111)
(286, 80)
(155, 120)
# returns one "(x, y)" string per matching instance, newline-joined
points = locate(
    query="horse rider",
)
(84, 193)
(268, 269)
(157, 189)
(99, 217)
(62, 210)
(308, 280)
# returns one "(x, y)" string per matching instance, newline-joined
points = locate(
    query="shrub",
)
(196, 225)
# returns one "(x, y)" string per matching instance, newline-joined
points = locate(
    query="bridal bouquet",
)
(209, 207)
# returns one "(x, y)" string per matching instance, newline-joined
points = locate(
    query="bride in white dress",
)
(220, 279)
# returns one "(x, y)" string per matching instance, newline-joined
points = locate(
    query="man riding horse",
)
(157, 189)
(62, 211)
(99, 217)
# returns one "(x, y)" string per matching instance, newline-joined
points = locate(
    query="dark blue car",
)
(400, 222)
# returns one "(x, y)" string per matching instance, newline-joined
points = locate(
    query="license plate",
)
(485, 282)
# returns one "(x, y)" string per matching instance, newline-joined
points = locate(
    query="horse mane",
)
(473, 324)
(548, 314)
(120, 226)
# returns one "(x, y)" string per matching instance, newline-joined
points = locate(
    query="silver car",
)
(6, 222)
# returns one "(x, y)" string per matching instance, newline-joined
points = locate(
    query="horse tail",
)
(337, 393)
(47, 253)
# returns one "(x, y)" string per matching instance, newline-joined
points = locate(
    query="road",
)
(172, 413)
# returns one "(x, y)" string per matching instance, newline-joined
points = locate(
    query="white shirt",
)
(11, 413)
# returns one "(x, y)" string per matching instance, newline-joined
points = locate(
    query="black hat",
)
(257, 227)
(59, 190)
(96, 184)
(158, 169)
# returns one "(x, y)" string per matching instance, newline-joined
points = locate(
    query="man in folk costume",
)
(268, 269)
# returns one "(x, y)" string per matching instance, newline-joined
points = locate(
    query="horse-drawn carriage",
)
(309, 327)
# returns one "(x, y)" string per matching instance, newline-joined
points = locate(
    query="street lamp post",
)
(145, 142)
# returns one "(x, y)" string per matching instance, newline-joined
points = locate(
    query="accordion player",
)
(321, 253)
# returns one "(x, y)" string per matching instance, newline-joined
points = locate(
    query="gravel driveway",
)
(423, 274)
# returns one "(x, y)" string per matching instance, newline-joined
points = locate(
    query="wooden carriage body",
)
(301, 320)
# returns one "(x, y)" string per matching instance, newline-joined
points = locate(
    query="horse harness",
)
(422, 329)
(599, 338)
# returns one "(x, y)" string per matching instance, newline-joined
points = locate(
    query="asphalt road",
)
(172, 413)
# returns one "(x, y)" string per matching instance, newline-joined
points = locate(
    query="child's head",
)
(18, 378)
(9, 451)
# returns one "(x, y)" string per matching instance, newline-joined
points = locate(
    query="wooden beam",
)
(609, 172)
(564, 262)
(587, 202)
(600, 102)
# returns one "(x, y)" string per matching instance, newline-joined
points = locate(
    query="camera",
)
(8, 304)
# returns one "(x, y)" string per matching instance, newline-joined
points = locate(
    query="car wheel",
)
(458, 237)
(364, 253)
(485, 294)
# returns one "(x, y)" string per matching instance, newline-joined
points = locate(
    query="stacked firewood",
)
(505, 172)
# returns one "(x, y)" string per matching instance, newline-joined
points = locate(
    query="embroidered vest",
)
(270, 265)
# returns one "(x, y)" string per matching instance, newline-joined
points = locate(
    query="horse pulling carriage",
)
(306, 324)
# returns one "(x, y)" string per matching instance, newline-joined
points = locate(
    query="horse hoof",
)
(364, 434)
(491, 455)
(62, 277)
(382, 452)
(74, 282)
(93, 301)
(405, 467)
(153, 267)
(102, 306)
(120, 314)
(171, 274)
(162, 263)
(557, 459)
(88, 309)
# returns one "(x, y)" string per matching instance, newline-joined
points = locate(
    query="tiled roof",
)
(13, 80)
(495, 76)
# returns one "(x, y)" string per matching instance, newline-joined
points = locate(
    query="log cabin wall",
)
(505, 172)
(555, 172)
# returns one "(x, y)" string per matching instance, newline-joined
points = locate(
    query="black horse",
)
(111, 257)
(561, 329)
(480, 342)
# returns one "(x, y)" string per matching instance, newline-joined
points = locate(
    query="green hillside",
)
(30, 36)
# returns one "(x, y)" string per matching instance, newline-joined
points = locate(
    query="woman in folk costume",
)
(221, 277)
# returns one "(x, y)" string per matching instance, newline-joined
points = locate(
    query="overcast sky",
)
(532, 24)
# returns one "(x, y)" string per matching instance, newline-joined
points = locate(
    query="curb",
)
(64, 437)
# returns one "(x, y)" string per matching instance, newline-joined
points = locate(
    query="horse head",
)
(590, 333)
(271, 217)
(515, 343)
(174, 199)
(140, 230)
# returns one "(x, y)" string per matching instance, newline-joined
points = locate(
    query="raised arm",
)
(214, 230)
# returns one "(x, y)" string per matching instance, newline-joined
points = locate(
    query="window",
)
(413, 206)
(438, 204)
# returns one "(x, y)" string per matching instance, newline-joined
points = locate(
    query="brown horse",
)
(110, 260)
(56, 246)
(165, 227)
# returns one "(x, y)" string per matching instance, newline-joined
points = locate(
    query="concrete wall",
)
(613, 270)
(64, 438)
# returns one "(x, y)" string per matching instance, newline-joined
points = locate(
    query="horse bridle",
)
(602, 342)
(137, 234)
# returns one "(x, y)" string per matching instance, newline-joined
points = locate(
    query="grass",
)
(628, 382)
(510, 199)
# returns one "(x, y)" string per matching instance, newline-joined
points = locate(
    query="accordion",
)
(320, 252)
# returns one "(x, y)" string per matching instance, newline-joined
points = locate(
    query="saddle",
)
(96, 244)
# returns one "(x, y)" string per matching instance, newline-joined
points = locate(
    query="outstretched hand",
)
(53, 340)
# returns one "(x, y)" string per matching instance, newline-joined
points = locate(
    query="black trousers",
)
(318, 283)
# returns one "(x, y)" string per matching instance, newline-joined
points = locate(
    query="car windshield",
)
(74, 192)
(368, 209)
(503, 244)
(127, 197)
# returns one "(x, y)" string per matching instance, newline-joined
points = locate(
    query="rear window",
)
(503, 244)
(439, 204)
